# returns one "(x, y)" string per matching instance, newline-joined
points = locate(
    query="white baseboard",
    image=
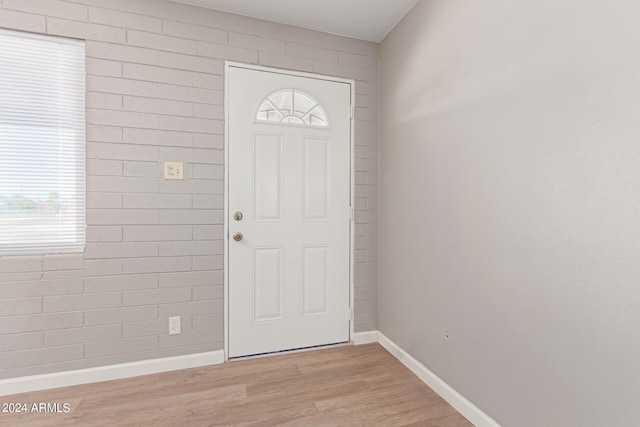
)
(153, 366)
(107, 373)
(368, 337)
(455, 399)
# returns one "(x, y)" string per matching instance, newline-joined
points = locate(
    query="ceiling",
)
(361, 19)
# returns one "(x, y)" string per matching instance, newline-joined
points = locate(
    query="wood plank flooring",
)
(341, 386)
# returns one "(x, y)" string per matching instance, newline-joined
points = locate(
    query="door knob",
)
(237, 237)
(238, 216)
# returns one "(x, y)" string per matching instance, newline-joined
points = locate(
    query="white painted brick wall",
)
(82, 335)
(61, 9)
(19, 306)
(22, 21)
(120, 315)
(154, 247)
(15, 342)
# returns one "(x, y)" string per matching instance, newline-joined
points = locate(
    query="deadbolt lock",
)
(238, 216)
(237, 237)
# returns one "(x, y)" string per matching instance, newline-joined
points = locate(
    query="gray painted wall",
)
(155, 94)
(510, 204)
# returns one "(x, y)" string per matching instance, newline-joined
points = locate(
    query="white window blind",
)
(42, 144)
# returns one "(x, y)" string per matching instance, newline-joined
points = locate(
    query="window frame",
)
(76, 167)
(281, 121)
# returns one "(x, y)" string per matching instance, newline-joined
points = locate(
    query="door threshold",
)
(295, 350)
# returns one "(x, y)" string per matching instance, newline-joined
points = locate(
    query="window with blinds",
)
(42, 144)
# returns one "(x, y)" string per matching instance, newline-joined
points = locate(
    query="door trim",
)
(351, 83)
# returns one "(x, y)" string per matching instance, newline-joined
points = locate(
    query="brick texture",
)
(155, 93)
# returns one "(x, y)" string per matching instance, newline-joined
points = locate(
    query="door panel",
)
(289, 274)
(316, 280)
(267, 284)
(315, 176)
(267, 179)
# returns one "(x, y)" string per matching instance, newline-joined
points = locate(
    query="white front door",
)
(289, 192)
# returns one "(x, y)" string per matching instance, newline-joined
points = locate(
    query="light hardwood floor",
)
(341, 386)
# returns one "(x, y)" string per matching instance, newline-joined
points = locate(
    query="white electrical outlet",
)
(173, 170)
(174, 325)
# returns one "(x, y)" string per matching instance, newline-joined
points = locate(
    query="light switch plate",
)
(173, 170)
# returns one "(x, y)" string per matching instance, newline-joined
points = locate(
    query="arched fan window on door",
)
(290, 106)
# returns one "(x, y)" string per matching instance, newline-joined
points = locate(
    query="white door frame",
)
(351, 83)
